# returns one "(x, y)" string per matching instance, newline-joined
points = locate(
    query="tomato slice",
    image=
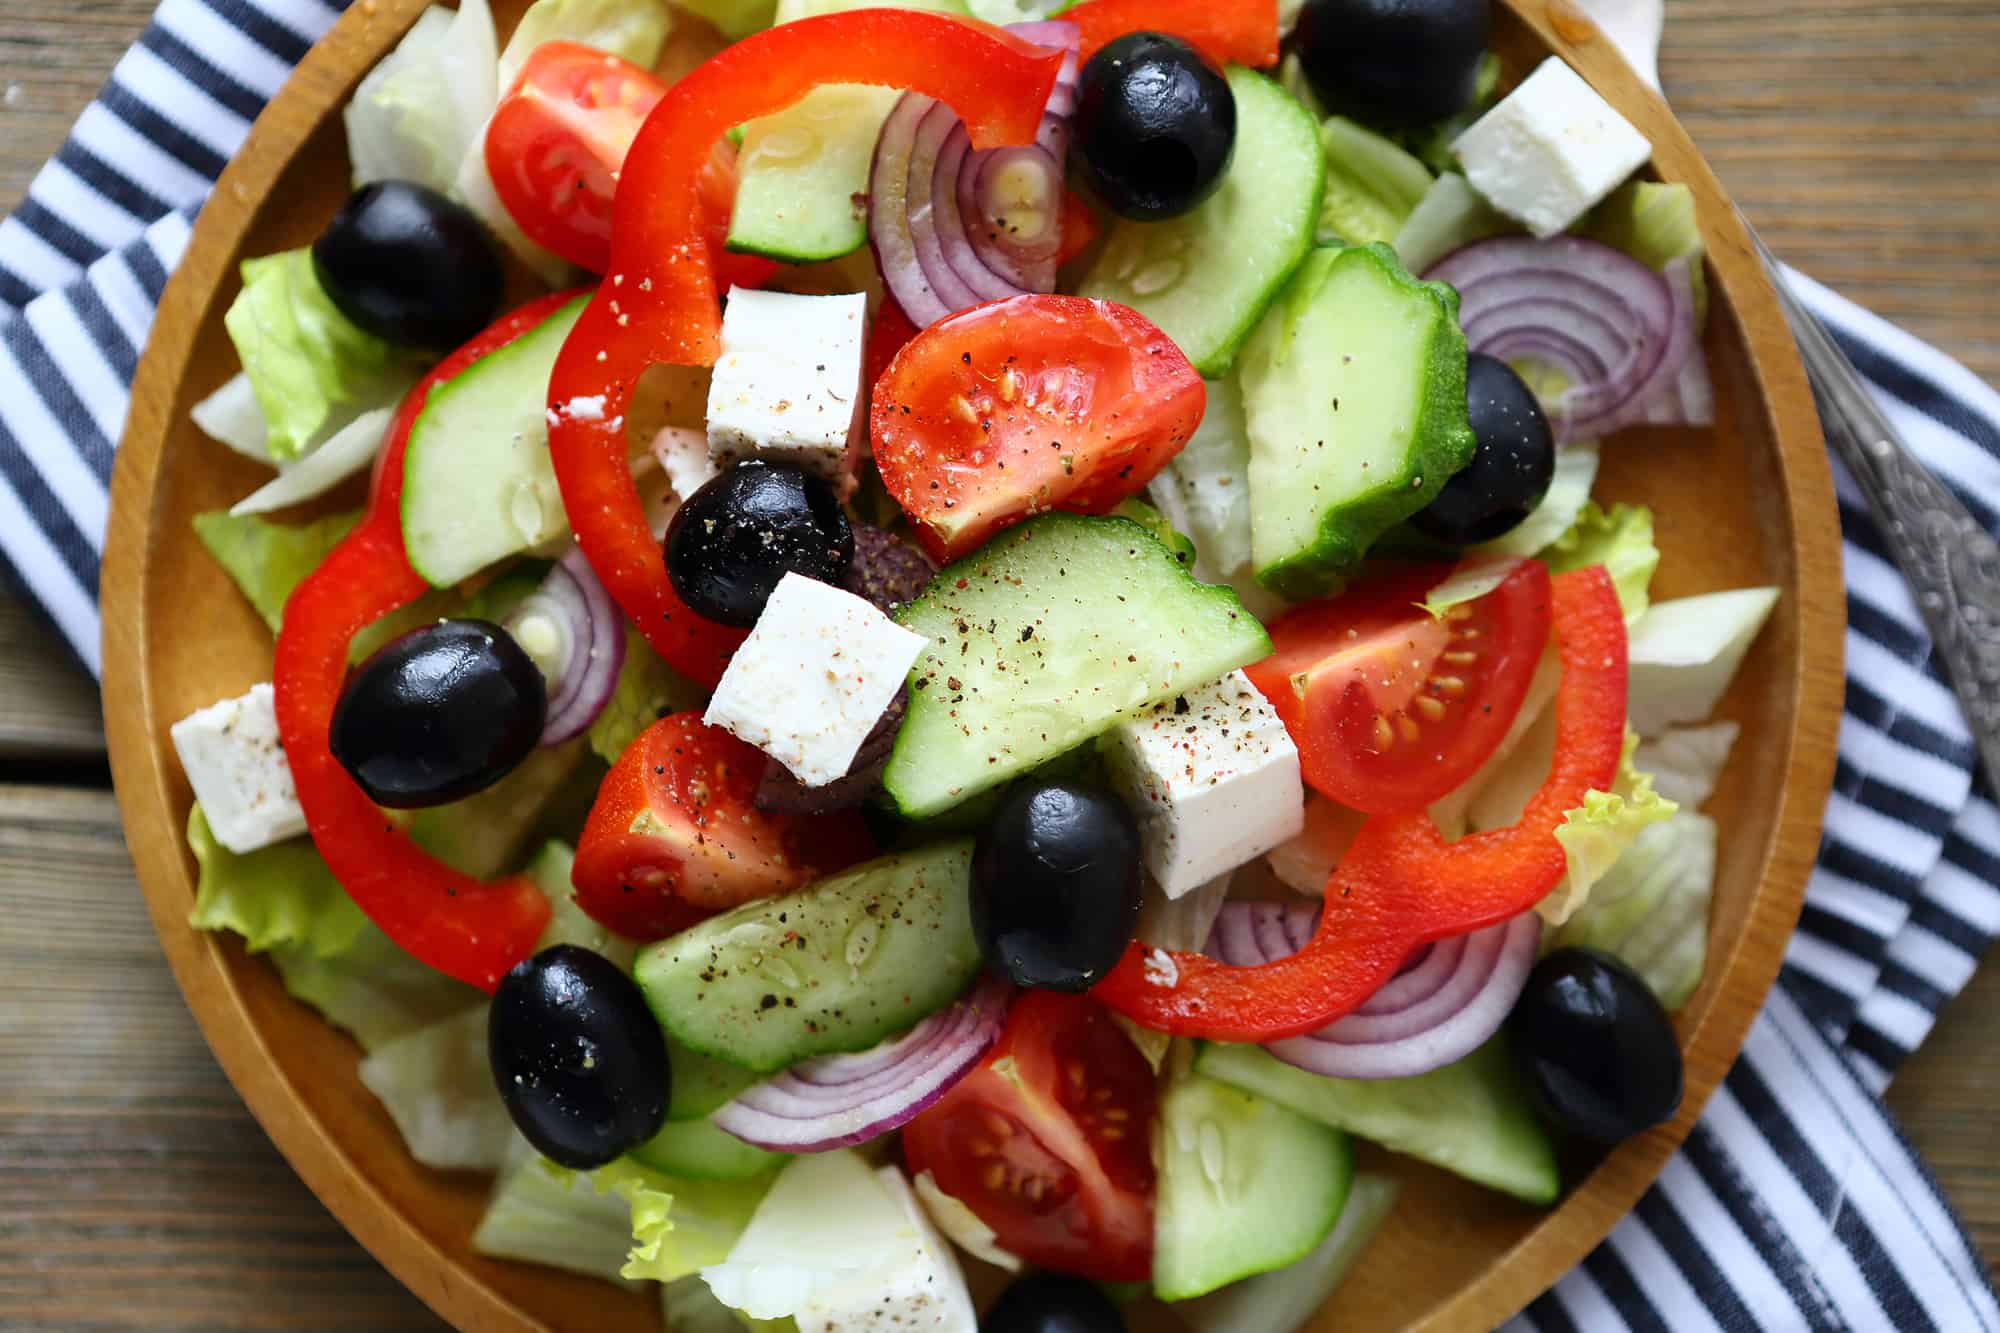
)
(1079, 227)
(674, 837)
(558, 142)
(1392, 707)
(1028, 404)
(1048, 1141)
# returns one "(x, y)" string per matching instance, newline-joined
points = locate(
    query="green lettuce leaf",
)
(437, 1085)
(1655, 223)
(1684, 653)
(372, 989)
(1569, 491)
(281, 895)
(540, 1214)
(688, 1306)
(1450, 214)
(419, 113)
(678, 1226)
(1651, 908)
(1597, 833)
(1372, 186)
(647, 690)
(308, 365)
(284, 901)
(633, 30)
(1470, 579)
(268, 559)
(1620, 539)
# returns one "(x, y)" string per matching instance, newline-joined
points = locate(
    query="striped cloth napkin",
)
(1795, 1204)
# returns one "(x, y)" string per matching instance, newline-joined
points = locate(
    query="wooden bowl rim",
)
(154, 833)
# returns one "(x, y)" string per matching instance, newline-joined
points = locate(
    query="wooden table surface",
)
(1862, 139)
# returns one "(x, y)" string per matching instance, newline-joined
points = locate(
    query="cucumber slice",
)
(1048, 635)
(802, 182)
(477, 483)
(701, 1084)
(1288, 1297)
(836, 967)
(1472, 1118)
(1246, 1186)
(802, 174)
(1206, 277)
(698, 1150)
(1354, 398)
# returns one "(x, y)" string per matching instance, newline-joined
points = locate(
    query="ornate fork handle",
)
(1951, 561)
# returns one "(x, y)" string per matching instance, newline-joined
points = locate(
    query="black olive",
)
(738, 536)
(782, 793)
(1512, 464)
(1396, 64)
(1597, 1049)
(409, 265)
(1053, 1303)
(1055, 885)
(578, 1057)
(440, 713)
(1154, 126)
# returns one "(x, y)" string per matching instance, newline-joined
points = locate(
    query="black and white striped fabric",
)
(1795, 1204)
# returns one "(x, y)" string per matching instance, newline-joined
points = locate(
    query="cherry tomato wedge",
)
(674, 837)
(1028, 404)
(1079, 227)
(558, 142)
(1392, 707)
(1048, 1140)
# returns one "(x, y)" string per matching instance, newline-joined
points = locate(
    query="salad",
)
(978, 638)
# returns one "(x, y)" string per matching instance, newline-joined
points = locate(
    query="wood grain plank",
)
(135, 1190)
(48, 706)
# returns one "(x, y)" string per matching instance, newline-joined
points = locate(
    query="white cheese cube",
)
(813, 678)
(1214, 779)
(236, 765)
(683, 455)
(1550, 151)
(787, 386)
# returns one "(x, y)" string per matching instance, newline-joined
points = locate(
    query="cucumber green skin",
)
(697, 1150)
(1440, 437)
(1285, 1204)
(481, 436)
(771, 983)
(1117, 624)
(1472, 1118)
(701, 1083)
(1235, 250)
(804, 211)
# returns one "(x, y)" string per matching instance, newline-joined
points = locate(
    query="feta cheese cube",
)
(1214, 779)
(236, 765)
(1550, 151)
(683, 455)
(815, 675)
(787, 386)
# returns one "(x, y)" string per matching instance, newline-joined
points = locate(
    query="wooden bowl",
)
(1748, 502)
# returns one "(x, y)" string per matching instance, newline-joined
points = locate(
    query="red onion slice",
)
(951, 226)
(1623, 334)
(576, 634)
(1438, 1009)
(836, 1101)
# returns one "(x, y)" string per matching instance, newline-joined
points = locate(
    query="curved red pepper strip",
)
(1401, 885)
(658, 303)
(1241, 32)
(464, 928)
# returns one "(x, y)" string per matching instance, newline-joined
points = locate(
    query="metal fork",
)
(1951, 562)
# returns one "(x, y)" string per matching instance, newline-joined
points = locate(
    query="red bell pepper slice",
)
(659, 302)
(465, 928)
(1241, 32)
(1401, 885)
